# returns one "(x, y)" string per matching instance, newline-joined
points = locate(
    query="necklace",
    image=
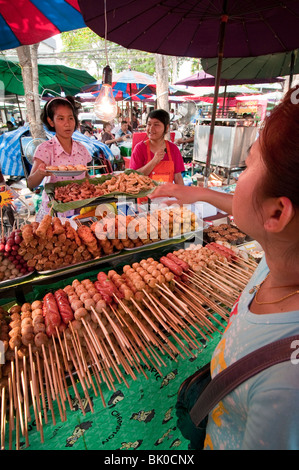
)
(257, 288)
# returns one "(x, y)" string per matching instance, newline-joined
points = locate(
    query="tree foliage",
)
(85, 49)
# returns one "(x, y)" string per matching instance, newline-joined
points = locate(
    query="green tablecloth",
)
(140, 417)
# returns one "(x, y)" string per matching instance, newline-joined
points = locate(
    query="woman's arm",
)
(37, 174)
(178, 178)
(192, 194)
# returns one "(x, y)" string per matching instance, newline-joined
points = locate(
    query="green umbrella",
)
(56, 78)
(264, 66)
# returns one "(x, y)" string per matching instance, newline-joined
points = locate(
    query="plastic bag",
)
(115, 150)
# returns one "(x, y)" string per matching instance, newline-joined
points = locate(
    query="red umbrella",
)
(24, 22)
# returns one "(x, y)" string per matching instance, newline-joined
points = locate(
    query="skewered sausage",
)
(175, 268)
(185, 266)
(51, 314)
(64, 306)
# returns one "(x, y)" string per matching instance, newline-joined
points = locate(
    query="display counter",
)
(108, 379)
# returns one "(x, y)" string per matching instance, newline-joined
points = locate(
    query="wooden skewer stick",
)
(81, 381)
(59, 378)
(17, 429)
(138, 345)
(35, 390)
(117, 330)
(36, 413)
(124, 344)
(106, 334)
(202, 284)
(145, 331)
(170, 326)
(97, 379)
(41, 385)
(100, 368)
(3, 417)
(130, 354)
(55, 382)
(79, 361)
(167, 328)
(67, 367)
(77, 350)
(98, 347)
(223, 279)
(174, 321)
(207, 301)
(19, 395)
(36, 395)
(48, 371)
(248, 263)
(25, 388)
(11, 416)
(218, 284)
(49, 396)
(26, 407)
(202, 313)
(167, 291)
(235, 271)
(118, 373)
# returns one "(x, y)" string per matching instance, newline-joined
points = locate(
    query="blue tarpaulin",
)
(10, 149)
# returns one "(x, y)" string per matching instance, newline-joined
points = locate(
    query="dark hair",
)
(279, 141)
(51, 106)
(161, 115)
(106, 124)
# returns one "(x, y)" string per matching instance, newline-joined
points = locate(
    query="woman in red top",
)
(156, 157)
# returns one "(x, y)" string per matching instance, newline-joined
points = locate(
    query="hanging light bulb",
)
(105, 106)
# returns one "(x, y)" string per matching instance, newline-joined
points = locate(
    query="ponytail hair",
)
(279, 143)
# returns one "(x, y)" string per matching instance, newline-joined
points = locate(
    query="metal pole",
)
(224, 20)
(292, 69)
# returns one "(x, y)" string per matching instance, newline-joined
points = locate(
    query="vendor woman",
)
(156, 157)
(61, 116)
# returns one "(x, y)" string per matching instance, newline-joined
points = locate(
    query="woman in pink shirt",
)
(156, 157)
(59, 115)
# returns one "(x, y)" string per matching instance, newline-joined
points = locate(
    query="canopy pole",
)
(224, 20)
(17, 98)
(291, 69)
(224, 99)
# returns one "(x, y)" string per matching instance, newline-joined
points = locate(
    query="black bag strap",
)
(246, 367)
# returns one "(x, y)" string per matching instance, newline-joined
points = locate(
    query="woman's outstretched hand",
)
(182, 194)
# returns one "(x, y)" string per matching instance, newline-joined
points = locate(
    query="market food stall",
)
(95, 350)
